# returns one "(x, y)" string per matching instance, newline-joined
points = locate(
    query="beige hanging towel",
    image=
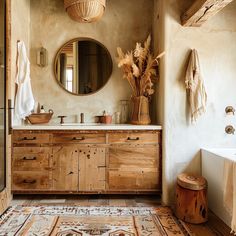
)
(195, 87)
(230, 191)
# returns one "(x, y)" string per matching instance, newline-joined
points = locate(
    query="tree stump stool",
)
(191, 199)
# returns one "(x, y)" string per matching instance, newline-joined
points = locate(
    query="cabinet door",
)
(92, 166)
(65, 168)
(134, 167)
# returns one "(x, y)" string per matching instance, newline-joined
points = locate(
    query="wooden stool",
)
(191, 199)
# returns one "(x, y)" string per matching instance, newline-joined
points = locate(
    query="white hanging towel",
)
(195, 86)
(24, 102)
(230, 191)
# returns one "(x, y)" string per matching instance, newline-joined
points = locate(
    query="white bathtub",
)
(212, 170)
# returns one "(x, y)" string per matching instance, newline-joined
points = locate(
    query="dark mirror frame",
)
(81, 39)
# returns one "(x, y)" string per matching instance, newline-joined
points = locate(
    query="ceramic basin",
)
(81, 124)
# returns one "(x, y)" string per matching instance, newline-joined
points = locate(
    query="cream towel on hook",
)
(230, 191)
(24, 102)
(195, 87)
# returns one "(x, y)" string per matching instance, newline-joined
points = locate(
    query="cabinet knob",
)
(29, 158)
(28, 139)
(25, 181)
(78, 138)
(133, 139)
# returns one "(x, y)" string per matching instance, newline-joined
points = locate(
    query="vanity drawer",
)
(79, 138)
(31, 159)
(136, 138)
(134, 179)
(134, 168)
(30, 138)
(30, 180)
(141, 156)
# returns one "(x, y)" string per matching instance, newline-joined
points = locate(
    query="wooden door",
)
(92, 166)
(65, 168)
(134, 167)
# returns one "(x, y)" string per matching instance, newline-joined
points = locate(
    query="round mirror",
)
(82, 66)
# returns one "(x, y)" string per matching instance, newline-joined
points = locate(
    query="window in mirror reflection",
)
(83, 66)
(69, 79)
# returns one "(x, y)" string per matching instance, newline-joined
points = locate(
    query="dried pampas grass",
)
(140, 68)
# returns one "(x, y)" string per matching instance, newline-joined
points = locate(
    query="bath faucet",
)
(62, 119)
(229, 110)
(229, 129)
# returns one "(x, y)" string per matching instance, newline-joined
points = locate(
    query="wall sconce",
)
(42, 57)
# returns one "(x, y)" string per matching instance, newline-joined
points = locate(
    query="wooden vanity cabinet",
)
(31, 162)
(86, 162)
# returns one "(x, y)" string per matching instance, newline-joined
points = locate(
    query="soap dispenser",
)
(42, 109)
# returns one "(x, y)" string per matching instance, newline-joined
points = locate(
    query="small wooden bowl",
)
(40, 118)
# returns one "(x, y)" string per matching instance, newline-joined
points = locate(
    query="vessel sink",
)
(80, 124)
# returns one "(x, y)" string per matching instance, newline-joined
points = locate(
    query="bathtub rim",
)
(227, 153)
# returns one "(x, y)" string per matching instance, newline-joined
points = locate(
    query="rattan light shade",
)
(85, 10)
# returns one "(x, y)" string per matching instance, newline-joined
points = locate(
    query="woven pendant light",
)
(85, 10)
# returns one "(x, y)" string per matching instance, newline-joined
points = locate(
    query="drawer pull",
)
(25, 181)
(113, 169)
(28, 139)
(132, 139)
(29, 158)
(78, 138)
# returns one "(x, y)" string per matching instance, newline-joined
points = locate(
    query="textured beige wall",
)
(20, 23)
(124, 23)
(215, 42)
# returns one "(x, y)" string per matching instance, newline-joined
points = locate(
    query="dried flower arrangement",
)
(140, 68)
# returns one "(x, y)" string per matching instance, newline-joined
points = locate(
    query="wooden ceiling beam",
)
(201, 11)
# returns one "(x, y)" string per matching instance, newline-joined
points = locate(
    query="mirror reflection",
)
(83, 66)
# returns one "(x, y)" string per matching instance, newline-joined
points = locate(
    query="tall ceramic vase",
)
(140, 111)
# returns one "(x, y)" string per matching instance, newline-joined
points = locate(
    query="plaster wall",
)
(20, 30)
(123, 24)
(215, 42)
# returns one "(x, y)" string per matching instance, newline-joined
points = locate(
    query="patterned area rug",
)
(106, 221)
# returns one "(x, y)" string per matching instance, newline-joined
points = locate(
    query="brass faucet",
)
(229, 129)
(62, 119)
